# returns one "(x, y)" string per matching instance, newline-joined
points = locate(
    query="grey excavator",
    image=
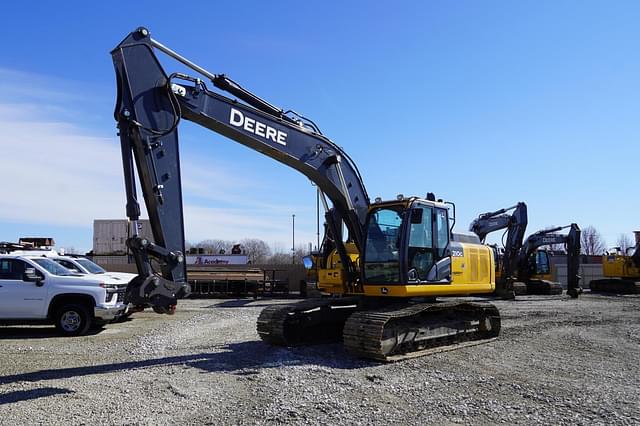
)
(515, 225)
(534, 267)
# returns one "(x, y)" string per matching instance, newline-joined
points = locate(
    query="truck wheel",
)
(73, 320)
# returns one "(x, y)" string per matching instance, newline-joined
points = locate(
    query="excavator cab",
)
(406, 243)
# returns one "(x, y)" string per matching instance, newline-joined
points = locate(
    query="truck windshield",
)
(53, 267)
(382, 254)
(90, 266)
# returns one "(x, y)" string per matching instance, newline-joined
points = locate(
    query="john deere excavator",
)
(533, 266)
(396, 257)
(515, 224)
(621, 271)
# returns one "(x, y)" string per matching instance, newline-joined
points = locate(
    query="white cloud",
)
(55, 172)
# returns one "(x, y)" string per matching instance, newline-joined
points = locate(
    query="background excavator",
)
(395, 258)
(621, 271)
(515, 225)
(533, 266)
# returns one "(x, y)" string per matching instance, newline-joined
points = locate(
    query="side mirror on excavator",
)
(308, 262)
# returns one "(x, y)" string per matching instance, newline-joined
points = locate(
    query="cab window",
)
(70, 266)
(382, 263)
(421, 256)
(542, 263)
(11, 269)
(428, 240)
(442, 232)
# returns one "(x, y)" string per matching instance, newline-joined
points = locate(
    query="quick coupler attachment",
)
(156, 292)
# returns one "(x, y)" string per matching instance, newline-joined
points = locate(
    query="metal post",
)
(293, 238)
(318, 219)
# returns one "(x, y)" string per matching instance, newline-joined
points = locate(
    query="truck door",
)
(19, 298)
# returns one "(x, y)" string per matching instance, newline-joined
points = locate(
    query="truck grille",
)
(119, 294)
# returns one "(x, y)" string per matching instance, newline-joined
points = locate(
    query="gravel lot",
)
(558, 361)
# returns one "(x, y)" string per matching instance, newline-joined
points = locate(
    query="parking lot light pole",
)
(293, 238)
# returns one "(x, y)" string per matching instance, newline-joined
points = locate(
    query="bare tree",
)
(257, 250)
(279, 258)
(591, 241)
(215, 246)
(301, 251)
(283, 256)
(624, 241)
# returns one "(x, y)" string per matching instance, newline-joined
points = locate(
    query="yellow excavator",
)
(384, 273)
(621, 271)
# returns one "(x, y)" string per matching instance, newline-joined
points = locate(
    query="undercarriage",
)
(543, 287)
(615, 285)
(386, 333)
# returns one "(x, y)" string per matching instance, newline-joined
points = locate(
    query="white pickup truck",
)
(35, 289)
(84, 266)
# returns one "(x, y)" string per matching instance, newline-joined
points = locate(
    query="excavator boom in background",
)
(515, 225)
(523, 269)
(395, 252)
(533, 264)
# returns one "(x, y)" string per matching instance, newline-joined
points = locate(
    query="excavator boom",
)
(150, 105)
(516, 225)
(571, 240)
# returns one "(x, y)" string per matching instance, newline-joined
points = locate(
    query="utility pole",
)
(293, 238)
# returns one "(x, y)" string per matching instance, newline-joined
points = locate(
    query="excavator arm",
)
(515, 224)
(551, 236)
(149, 107)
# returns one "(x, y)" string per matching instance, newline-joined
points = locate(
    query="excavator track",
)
(543, 287)
(305, 323)
(393, 334)
(615, 285)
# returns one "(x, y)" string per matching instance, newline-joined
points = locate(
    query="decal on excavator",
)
(238, 119)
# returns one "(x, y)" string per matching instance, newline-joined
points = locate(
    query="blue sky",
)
(483, 103)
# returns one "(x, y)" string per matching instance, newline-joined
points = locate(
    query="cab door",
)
(540, 266)
(19, 298)
(427, 243)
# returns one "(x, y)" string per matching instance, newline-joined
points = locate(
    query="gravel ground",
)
(557, 361)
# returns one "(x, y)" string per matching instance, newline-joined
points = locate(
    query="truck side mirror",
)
(32, 276)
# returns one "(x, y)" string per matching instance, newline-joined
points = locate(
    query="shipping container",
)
(110, 235)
